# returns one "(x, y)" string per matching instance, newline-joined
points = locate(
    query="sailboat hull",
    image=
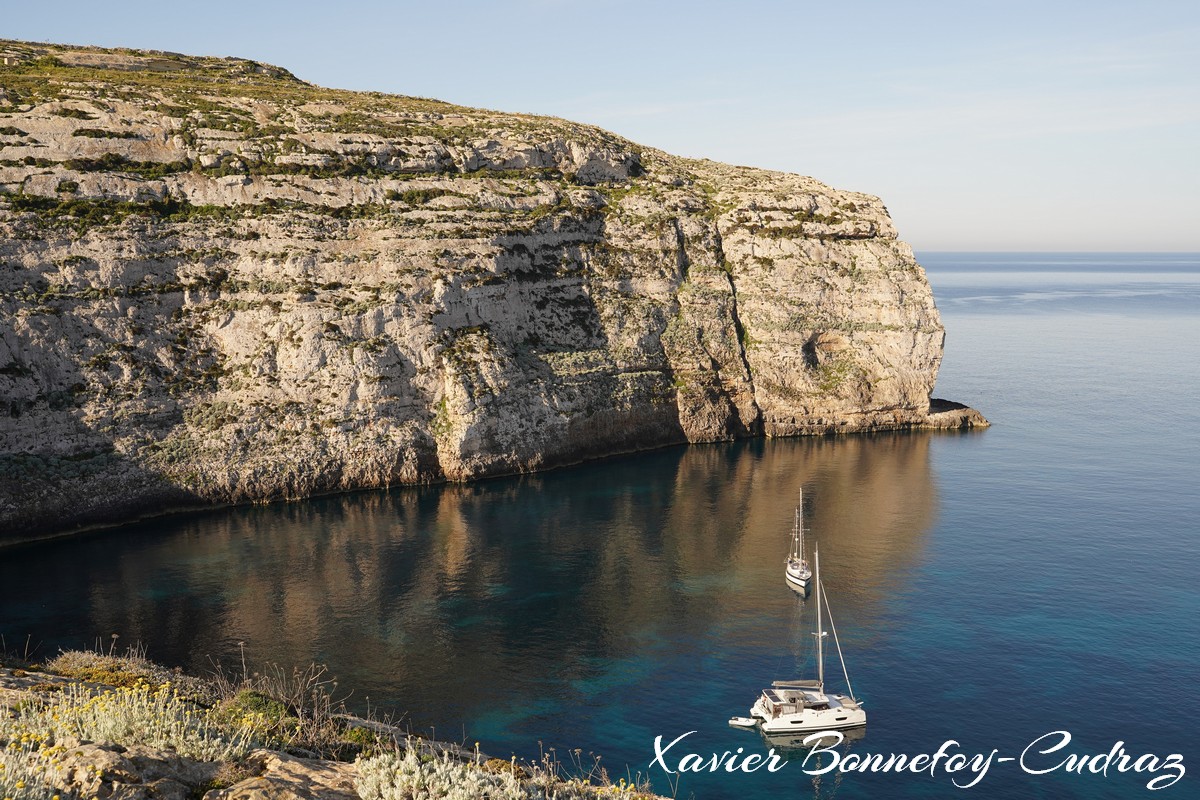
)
(796, 570)
(797, 579)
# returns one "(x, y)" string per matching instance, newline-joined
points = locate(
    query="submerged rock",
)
(220, 284)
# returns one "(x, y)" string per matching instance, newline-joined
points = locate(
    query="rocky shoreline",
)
(90, 725)
(220, 285)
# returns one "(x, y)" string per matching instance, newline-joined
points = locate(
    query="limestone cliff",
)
(221, 284)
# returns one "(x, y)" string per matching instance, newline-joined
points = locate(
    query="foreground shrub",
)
(292, 710)
(22, 771)
(156, 717)
(408, 775)
(414, 774)
(127, 671)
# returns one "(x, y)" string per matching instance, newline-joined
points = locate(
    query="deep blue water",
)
(988, 587)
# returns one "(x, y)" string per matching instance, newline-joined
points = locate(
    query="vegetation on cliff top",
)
(64, 725)
(198, 91)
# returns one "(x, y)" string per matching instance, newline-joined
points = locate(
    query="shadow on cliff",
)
(59, 466)
(549, 319)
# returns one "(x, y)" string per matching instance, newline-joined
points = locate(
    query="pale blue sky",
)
(984, 126)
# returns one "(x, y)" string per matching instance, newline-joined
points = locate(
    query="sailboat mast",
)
(795, 534)
(800, 527)
(820, 633)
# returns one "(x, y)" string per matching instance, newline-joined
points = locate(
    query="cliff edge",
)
(221, 284)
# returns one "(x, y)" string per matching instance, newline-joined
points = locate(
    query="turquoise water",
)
(989, 587)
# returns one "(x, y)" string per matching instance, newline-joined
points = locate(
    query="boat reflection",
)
(799, 745)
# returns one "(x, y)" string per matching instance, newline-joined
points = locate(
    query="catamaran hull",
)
(814, 720)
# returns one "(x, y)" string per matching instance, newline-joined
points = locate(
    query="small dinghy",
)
(743, 722)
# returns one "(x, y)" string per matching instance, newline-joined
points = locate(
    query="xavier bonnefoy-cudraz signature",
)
(1049, 753)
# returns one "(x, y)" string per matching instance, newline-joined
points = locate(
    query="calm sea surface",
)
(988, 588)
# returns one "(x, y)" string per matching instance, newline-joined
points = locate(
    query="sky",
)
(983, 126)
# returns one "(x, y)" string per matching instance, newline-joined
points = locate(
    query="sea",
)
(1029, 591)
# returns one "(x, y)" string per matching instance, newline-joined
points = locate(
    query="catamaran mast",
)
(838, 643)
(820, 633)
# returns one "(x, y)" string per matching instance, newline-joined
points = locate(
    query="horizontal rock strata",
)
(220, 284)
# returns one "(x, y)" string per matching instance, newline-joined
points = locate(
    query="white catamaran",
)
(797, 573)
(804, 705)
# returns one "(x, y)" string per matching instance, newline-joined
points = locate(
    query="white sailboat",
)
(797, 573)
(803, 705)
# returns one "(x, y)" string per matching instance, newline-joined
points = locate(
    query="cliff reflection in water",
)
(450, 602)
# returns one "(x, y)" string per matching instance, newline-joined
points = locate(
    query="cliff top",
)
(262, 102)
(37, 73)
(38, 58)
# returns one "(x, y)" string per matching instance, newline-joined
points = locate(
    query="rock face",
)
(221, 284)
(282, 775)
